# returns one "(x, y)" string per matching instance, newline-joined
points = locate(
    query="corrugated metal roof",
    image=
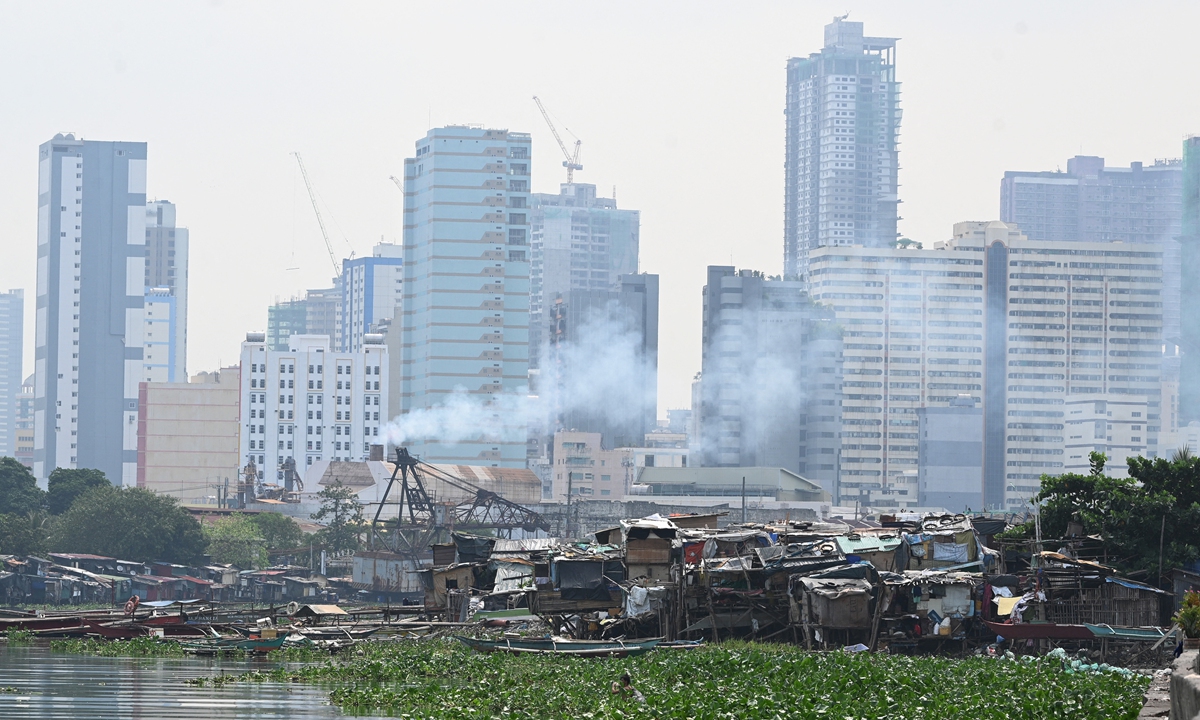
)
(866, 543)
(524, 545)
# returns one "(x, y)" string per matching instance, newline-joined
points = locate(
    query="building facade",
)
(912, 328)
(1092, 203)
(843, 121)
(372, 292)
(188, 435)
(24, 424)
(12, 343)
(578, 242)
(309, 403)
(1189, 370)
(950, 455)
(317, 313)
(161, 360)
(611, 332)
(465, 320)
(1022, 326)
(1114, 424)
(583, 468)
(90, 297)
(167, 268)
(770, 377)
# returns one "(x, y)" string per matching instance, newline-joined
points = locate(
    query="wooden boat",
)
(216, 646)
(1039, 631)
(1126, 633)
(336, 632)
(561, 646)
(117, 631)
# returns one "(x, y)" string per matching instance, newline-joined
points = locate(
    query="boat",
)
(561, 646)
(215, 646)
(117, 631)
(1039, 631)
(1126, 633)
(336, 632)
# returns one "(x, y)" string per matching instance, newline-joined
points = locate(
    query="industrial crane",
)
(572, 161)
(397, 181)
(337, 268)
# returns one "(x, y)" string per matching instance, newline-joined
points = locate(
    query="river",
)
(62, 686)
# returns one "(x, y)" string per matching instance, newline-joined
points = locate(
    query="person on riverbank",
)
(624, 687)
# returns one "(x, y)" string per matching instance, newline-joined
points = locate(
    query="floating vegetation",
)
(134, 647)
(731, 680)
(19, 637)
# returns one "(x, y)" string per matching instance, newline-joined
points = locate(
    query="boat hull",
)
(1040, 631)
(576, 648)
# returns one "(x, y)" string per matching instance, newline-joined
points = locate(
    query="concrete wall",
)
(1185, 687)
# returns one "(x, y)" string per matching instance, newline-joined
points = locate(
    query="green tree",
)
(236, 539)
(24, 534)
(65, 485)
(345, 518)
(130, 524)
(279, 531)
(19, 493)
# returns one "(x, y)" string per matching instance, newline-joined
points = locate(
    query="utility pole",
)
(743, 499)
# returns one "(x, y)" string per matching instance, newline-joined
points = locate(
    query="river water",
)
(61, 686)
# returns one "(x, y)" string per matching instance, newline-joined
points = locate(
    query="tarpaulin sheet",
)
(581, 580)
(951, 552)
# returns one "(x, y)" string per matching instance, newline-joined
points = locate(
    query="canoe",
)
(1040, 631)
(252, 645)
(1126, 633)
(117, 631)
(336, 633)
(560, 646)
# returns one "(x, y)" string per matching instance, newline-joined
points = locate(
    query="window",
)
(649, 461)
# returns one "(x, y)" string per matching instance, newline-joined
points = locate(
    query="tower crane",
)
(572, 161)
(397, 181)
(337, 268)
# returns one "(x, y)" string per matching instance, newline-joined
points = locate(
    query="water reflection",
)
(53, 686)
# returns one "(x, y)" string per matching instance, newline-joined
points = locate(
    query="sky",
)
(679, 106)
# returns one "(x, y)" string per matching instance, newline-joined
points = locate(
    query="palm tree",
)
(1182, 455)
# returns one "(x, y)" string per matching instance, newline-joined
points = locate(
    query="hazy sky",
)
(679, 105)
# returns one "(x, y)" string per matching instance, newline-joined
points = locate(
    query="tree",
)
(24, 534)
(19, 493)
(278, 530)
(236, 539)
(340, 504)
(130, 524)
(66, 485)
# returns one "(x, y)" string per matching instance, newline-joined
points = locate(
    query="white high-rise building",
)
(372, 293)
(465, 325)
(843, 123)
(311, 403)
(91, 271)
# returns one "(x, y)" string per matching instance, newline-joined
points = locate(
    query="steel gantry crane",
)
(572, 161)
(337, 268)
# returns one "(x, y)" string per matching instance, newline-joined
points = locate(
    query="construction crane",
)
(572, 161)
(337, 268)
(397, 181)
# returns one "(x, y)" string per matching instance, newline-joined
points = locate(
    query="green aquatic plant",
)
(19, 637)
(731, 680)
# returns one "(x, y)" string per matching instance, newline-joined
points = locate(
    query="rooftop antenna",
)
(572, 161)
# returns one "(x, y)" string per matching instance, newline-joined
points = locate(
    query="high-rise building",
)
(912, 329)
(1025, 326)
(578, 242)
(310, 403)
(24, 424)
(1189, 370)
(843, 123)
(372, 291)
(465, 326)
(950, 471)
(608, 332)
(161, 360)
(167, 267)
(1097, 204)
(90, 297)
(770, 376)
(317, 313)
(12, 323)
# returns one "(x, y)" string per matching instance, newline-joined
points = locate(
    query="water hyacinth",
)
(731, 680)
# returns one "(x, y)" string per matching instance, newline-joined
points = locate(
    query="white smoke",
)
(601, 374)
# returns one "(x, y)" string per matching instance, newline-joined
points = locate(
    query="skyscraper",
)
(606, 338)
(770, 377)
(465, 324)
(12, 314)
(578, 242)
(1189, 370)
(90, 296)
(1094, 203)
(843, 121)
(167, 268)
(317, 313)
(372, 291)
